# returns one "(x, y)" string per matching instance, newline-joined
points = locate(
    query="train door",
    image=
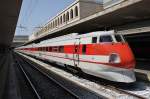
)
(76, 53)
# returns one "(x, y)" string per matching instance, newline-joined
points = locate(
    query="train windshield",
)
(119, 38)
(106, 38)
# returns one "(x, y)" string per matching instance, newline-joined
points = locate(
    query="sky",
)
(35, 13)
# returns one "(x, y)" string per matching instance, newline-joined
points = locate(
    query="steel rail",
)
(29, 81)
(52, 79)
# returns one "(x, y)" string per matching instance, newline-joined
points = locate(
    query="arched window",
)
(51, 25)
(61, 20)
(64, 18)
(46, 28)
(67, 16)
(71, 14)
(58, 21)
(76, 11)
(55, 22)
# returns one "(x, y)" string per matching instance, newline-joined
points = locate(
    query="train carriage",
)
(103, 54)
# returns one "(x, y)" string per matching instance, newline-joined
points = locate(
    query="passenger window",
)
(94, 39)
(118, 38)
(61, 49)
(46, 48)
(106, 38)
(50, 49)
(84, 49)
(55, 49)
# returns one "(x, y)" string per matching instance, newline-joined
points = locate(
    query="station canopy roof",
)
(9, 13)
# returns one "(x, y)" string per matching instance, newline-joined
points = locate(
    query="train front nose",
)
(123, 58)
(126, 57)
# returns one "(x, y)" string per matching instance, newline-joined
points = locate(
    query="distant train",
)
(103, 54)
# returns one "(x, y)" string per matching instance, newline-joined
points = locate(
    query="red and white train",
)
(103, 54)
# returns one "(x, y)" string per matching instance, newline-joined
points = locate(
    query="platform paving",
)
(8, 85)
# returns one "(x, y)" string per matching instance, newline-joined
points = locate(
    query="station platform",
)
(8, 85)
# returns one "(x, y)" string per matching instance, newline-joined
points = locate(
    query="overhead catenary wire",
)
(32, 11)
(25, 25)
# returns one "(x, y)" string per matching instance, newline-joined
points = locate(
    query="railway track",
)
(29, 81)
(74, 91)
(65, 92)
(108, 85)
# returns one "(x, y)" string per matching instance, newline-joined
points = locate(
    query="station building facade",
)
(75, 12)
(19, 40)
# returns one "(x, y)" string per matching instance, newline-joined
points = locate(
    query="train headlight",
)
(114, 58)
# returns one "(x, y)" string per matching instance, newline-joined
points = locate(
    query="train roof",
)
(72, 36)
(97, 33)
(76, 35)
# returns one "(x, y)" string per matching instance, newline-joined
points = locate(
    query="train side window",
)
(84, 49)
(119, 38)
(106, 38)
(43, 49)
(50, 49)
(46, 48)
(61, 49)
(55, 49)
(94, 39)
